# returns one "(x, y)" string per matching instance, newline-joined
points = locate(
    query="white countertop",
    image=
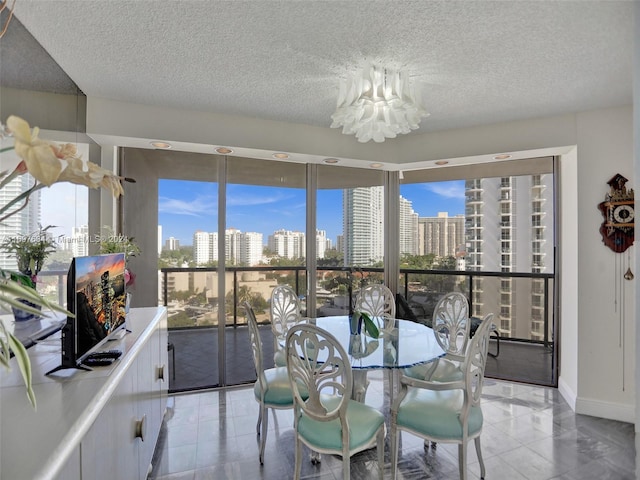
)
(36, 444)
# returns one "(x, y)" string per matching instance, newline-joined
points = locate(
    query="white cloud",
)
(295, 211)
(201, 205)
(245, 200)
(454, 189)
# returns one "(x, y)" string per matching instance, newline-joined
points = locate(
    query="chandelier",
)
(377, 103)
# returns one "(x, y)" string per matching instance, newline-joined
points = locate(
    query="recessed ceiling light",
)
(331, 160)
(442, 162)
(224, 150)
(502, 156)
(376, 165)
(282, 156)
(164, 145)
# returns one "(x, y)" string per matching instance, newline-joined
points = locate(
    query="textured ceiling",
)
(476, 62)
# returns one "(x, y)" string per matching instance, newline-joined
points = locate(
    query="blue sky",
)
(185, 207)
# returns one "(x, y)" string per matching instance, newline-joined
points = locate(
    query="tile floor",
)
(529, 433)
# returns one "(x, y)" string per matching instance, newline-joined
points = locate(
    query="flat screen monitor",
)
(96, 295)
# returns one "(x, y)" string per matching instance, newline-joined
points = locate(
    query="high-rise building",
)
(287, 244)
(240, 248)
(509, 228)
(80, 241)
(24, 222)
(363, 226)
(442, 235)
(232, 246)
(408, 228)
(205, 247)
(321, 243)
(171, 244)
(250, 248)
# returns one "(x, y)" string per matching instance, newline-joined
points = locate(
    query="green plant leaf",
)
(9, 343)
(4, 346)
(369, 325)
(24, 364)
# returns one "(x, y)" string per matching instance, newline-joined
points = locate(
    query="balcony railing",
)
(337, 287)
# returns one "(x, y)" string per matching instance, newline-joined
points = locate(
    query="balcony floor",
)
(196, 364)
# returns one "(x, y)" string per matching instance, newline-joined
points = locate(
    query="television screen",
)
(100, 299)
(96, 296)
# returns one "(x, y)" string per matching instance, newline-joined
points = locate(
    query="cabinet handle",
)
(141, 428)
(160, 371)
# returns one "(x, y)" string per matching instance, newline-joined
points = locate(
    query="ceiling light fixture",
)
(442, 162)
(378, 103)
(281, 156)
(376, 165)
(502, 156)
(331, 160)
(224, 150)
(163, 145)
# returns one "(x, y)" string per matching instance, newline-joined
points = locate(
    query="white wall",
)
(568, 267)
(606, 304)
(598, 143)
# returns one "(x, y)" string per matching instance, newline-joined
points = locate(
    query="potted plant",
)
(119, 243)
(31, 251)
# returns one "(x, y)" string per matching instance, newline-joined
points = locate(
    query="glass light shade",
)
(378, 103)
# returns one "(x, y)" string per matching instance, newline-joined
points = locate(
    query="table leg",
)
(360, 384)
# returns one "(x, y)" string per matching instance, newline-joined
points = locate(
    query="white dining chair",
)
(328, 421)
(445, 412)
(284, 311)
(451, 327)
(272, 388)
(378, 301)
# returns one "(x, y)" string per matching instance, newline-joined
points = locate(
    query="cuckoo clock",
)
(618, 209)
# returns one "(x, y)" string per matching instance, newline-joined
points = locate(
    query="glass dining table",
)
(403, 345)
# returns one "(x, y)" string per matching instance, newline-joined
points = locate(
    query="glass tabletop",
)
(407, 344)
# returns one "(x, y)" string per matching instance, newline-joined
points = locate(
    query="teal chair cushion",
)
(278, 387)
(445, 371)
(364, 421)
(435, 414)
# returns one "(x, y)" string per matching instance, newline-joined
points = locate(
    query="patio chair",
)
(272, 388)
(284, 311)
(445, 412)
(328, 421)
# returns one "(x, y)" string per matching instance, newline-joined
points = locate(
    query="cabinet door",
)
(164, 361)
(152, 376)
(109, 450)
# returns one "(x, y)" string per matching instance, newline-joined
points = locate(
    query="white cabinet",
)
(151, 402)
(89, 424)
(109, 448)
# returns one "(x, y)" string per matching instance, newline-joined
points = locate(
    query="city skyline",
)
(186, 207)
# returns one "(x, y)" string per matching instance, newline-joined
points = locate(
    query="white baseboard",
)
(597, 408)
(567, 393)
(612, 411)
